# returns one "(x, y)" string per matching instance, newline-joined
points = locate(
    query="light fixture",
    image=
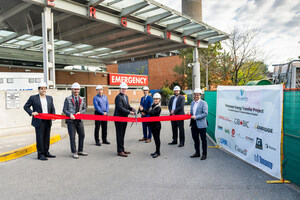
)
(72, 73)
(27, 70)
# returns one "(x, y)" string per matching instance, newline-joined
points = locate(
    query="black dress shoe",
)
(172, 143)
(42, 158)
(153, 153)
(98, 144)
(49, 155)
(106, 142)
(195, 155)
(181, 145)
(156, 155)
(203, 157)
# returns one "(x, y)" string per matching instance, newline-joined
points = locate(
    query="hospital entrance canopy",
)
(96, 31)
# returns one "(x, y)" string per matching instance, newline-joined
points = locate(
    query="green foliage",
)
(166, 93)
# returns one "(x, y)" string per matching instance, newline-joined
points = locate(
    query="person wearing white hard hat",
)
(41, 103)
(198, 123)
(154, 111)
(122, 109)
(176, 107)
(146, 102)
(73, 106)
(101, 106)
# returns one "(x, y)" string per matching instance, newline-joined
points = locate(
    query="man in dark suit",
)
(176, 107)
(122, 109)
(41, 103)
(74, 105)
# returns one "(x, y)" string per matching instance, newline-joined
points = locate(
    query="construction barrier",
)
(291, 139)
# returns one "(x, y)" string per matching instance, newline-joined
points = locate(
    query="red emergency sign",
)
(117, 79)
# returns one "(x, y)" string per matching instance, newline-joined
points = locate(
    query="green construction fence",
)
(291, 129)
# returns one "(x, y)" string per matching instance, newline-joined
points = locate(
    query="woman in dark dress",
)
(155, 127)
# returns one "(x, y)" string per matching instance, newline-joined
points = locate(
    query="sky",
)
(278, 23)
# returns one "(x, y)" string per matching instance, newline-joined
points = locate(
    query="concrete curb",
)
(25, 150)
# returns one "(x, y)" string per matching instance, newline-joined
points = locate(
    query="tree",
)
(208, 58)
(184, 70)
(246, 60)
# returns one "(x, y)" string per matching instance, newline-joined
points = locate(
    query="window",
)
(10, 80)
(1, 80)
(37, 80)
(31, 80)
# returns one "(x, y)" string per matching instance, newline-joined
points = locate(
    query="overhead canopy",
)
(99, 31)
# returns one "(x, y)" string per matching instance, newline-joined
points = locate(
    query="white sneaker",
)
(82, 153)
(75, 155)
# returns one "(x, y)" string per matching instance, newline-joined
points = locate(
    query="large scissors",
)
(135, 119)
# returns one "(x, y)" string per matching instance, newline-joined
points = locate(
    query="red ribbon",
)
(114, 118)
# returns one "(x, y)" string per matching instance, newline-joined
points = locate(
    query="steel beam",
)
(145, 11)
(156, 18)
(102, 16)
(178, 24)
(13, 11)
(95, 2)
(131, 9)
(193, 30)
(217, 39)
(205, 35)
(114, 2)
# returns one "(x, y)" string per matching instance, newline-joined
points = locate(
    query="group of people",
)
(149, 107)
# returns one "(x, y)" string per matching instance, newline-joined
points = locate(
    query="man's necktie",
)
(76, 105)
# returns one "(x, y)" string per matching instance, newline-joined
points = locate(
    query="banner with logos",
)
(248, 124)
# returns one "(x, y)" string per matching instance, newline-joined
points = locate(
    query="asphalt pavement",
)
(104, 175)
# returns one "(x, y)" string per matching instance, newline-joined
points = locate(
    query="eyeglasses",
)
(76, 89)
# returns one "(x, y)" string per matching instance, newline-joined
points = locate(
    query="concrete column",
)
(193, 8)
(196, 69)
(48, 47)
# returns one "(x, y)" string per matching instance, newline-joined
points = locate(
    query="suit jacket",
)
(146, 103)
(35, 102)
(69, 107)
(201, 113)
(179, 109)
(122, 107)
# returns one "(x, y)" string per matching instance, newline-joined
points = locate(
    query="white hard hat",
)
(198, 90)
(156, 96)
(123, 85)
(145, 88)
(42, 84)
(75, 86)
(176, 88)
(99, 87)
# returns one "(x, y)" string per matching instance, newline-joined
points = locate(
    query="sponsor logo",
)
(242, 97)
(243, 123)
(263, 161)
(220, 128)
(224, 141)
(258, 144)
(227, 131)
(242, 151)
(249, 139)
(263, 129)
(224, 118)
(233, 133)
(270, 147)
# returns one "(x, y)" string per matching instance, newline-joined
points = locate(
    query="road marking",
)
(25, 150)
